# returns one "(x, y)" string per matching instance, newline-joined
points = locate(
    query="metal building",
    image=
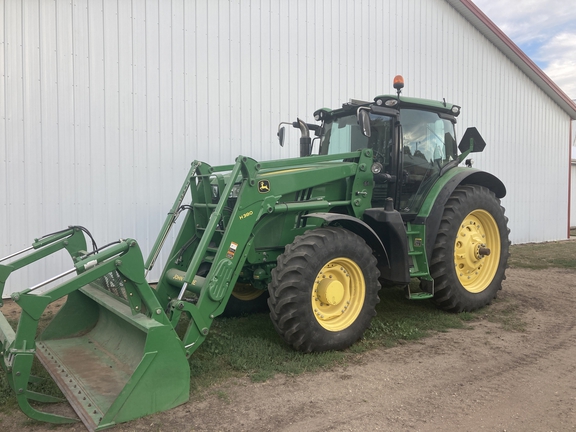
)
(104, 103)
(572, 195)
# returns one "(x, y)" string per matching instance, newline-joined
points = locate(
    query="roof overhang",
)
(491, 31)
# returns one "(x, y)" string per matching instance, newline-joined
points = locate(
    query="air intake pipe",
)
(305, 140)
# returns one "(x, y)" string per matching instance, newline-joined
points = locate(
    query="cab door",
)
(427, 144)
(383, 136)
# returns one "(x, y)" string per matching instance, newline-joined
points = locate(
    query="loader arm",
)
(224, 233)
(70, 239)
(234, 237)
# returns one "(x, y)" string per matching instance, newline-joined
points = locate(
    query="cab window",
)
(428, 143)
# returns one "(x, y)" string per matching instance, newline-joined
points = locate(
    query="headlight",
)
(235, 191)
(376, 167)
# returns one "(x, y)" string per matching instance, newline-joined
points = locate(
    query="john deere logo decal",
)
(263, 186)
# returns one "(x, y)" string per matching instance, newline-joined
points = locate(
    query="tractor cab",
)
(413, 143)
(413, 140)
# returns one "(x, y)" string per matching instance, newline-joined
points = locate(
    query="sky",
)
(545, 30)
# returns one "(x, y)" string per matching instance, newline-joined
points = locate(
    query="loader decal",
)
(264, 186)
(231, 250)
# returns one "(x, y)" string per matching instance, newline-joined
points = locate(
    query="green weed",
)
(222, 395)
(505, 313)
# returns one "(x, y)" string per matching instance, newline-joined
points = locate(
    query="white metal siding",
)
(573, 195)
(573, 178)
(104, 104)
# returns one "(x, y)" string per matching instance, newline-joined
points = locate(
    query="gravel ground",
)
(482, 378)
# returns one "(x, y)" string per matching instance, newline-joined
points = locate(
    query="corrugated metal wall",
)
(104, 103)
(573, 195)
(573, 178)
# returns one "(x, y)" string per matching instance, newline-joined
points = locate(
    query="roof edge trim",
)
(492, 32)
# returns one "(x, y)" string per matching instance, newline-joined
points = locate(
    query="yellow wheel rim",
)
(246, 292)
(477, 251)
(338, 294)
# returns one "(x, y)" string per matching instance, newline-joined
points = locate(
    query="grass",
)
(508, 317)
(538, 256)
(249, 346)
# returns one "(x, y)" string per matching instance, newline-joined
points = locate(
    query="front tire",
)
(324, 290)
(471, 251)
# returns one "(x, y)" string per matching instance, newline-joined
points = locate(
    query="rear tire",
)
(245, 300)
(324, 290)
(471, 251)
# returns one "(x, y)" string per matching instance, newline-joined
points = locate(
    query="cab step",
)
(420, 295)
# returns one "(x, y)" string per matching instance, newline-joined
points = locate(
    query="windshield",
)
(343, 135)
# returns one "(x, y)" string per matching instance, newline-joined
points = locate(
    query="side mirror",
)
(363, 118)
(280, 134)
(471, 142)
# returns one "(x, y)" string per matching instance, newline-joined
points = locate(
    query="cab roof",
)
(392, 102)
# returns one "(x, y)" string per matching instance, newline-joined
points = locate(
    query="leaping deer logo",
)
(263, 186)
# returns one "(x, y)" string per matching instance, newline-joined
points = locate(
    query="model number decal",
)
(245, 215)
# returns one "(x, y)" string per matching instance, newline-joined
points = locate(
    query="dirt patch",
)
(492, 376)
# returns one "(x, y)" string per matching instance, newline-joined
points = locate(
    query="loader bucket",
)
(111, 366)
(110, 349)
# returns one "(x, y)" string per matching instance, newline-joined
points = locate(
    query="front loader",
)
(376, 198)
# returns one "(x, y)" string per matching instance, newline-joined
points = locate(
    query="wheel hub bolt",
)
(483, 251)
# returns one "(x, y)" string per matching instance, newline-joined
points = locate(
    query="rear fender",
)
(431, 213)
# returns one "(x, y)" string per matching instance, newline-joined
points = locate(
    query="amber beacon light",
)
(398, 83)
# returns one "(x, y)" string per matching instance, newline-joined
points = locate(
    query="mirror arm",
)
(464, 155)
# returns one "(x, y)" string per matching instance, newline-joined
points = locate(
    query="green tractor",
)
(376, 198)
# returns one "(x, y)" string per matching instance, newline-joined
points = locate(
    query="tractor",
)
(376, 198)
